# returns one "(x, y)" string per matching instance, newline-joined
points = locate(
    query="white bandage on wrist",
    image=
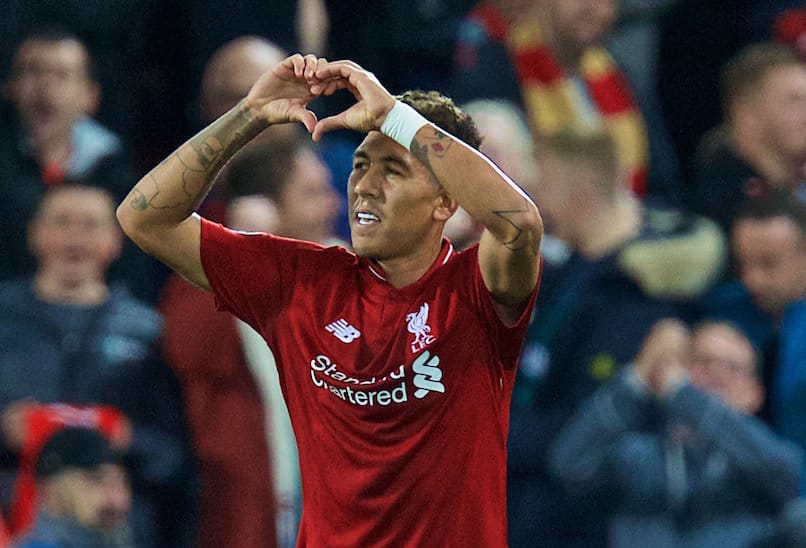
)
(402, 123)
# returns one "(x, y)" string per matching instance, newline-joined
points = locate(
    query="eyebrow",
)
(388, 159)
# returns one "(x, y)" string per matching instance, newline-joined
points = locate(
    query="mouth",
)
(366, 218)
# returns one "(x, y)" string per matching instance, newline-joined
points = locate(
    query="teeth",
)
(366, 217)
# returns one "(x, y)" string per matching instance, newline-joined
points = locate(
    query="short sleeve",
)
(248, 271)
(507, 338)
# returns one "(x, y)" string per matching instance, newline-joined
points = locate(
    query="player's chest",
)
(384, 354)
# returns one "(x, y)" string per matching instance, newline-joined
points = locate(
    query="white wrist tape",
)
(402, 123)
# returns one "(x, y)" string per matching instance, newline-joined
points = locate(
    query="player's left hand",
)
(373, 101)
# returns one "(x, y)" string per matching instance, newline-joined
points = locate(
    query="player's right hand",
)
(282, 94)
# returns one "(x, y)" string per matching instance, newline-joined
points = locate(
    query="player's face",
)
(396, 207)
(771, 254)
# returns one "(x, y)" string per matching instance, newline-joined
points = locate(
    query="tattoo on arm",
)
(201, 160)
(436, 145)
(519, 241)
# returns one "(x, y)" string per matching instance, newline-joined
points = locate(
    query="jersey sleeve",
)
(250, 272)
(507, 338)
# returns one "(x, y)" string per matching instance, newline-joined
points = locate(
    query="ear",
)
(744, 114)
(92, 100)
(32, 236)
(445, 206)
(755, 397)
(113, 245)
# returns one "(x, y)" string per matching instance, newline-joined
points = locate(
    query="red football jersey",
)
(399, 398)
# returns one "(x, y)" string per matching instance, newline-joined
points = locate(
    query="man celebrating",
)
(397, 362)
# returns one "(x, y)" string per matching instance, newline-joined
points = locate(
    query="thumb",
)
(330, 123)
(303, 115)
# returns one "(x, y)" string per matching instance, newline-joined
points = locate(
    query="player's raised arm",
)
(159, 213)
(510, 245)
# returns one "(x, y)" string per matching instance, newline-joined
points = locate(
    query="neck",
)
(773, 166)
(57, 290)
(51, 150)
(403, 271)
(609, 226)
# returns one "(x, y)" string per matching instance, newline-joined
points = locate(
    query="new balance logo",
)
(427, 375)
(343, 331)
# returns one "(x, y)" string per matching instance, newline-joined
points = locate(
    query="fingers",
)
(301, 114)
(305, 66)
(328, 124)
(329, 87)
(666, 344)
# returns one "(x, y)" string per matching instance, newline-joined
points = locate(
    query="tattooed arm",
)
(158, 215)
(510, 244)
(509, 250)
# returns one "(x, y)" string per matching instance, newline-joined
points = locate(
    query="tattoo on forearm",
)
(436, 145)
(520, 241)
(201, 160)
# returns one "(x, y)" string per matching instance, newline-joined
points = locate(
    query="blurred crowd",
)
(661, 392)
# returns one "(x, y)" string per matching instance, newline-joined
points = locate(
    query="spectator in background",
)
(227, 78)
(762, 141)
(67, 336)
(697, 37)
(84, 492)
(231, 71)
(671, 447)
(769, 302)
(628, 268)
(209, 25)
(53, 139)
(547, 55)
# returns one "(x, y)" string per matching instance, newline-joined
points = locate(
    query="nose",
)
(753, 278)
(367, 183)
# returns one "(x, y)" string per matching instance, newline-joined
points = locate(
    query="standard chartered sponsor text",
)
(362, 392)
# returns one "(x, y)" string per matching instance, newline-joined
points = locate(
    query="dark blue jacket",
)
(681, 471)
(108, 355)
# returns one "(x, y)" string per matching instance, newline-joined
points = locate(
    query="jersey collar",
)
(446, 252)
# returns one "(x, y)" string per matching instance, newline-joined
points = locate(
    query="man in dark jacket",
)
(672, 445)
(628, 267)
(66, 336)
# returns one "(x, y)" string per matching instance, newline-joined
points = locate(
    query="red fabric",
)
(42, 422)
(226, 418)
(5, 541)
(489, 18)
(611, 93)
(538, 64)
(53, 174)
(790, 28)
(399, 397)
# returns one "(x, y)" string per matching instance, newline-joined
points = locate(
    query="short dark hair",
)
(442, 111)
(771, 204)
(745, 71)
(75, 447)
(55, 33)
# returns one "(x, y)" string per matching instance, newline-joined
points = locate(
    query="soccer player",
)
(397, 361)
